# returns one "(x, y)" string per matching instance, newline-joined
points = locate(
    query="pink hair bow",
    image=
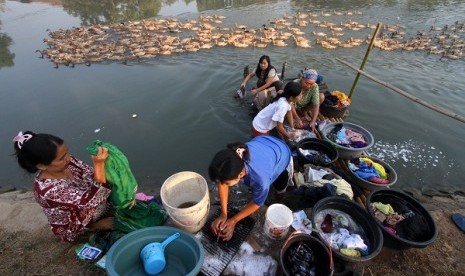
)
(21, 138)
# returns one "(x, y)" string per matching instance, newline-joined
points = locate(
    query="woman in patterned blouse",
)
(72, 194)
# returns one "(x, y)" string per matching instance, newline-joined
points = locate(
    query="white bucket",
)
(277, 222)
(186, 199)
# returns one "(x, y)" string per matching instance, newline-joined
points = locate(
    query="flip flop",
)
(459, 220)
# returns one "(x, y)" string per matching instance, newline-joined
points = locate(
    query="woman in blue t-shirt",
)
(261, 162)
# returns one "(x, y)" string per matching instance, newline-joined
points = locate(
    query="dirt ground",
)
(27, 246)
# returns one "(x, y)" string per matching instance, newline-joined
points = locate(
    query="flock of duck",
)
(136, 40)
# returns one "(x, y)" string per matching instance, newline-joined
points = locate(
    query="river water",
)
(184, 103)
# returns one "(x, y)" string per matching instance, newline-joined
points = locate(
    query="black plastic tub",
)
(319, 145)
(322, 257)
(373, 236)
(421, 230)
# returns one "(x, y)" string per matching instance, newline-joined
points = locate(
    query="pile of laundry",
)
(315, 156)
(347, 137)
(336, 98)
(301, 259)
(318, 182)
(300, 134)
(399, 220)
(369, 170)
(342, 233)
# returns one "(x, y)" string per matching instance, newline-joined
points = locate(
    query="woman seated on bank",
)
(261, 162)
(308, 106)
(274, 114)
(267, 79)
(72, 194)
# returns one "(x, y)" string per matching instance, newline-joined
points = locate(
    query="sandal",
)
(459, 220)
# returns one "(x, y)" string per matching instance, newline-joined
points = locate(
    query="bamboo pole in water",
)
(283, 70)
(367, 53)
(405, 94)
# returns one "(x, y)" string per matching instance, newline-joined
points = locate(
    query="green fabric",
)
(117, 173)
(142, 215)
(350, 252)
(384, 208)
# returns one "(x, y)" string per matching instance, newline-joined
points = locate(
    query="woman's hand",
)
(99, 164)
(217, 224)
(227, 229)
(101, 156)
(291, 134)
(298, 123)
(312, 126)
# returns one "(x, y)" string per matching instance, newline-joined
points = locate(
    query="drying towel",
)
(117, 173)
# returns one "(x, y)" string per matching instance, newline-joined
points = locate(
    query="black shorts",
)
(281, 182)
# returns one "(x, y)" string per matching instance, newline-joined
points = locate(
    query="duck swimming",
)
(147, 38)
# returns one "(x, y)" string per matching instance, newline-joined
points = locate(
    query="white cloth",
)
(343, 239)
(268, 118)
(301, 222)
(315, 175)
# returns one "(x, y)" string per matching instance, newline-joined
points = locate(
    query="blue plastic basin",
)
(184, 256)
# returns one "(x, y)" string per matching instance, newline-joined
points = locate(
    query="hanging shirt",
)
(269, 157)
(70, 205)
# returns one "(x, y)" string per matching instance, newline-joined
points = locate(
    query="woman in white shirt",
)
(273, 115)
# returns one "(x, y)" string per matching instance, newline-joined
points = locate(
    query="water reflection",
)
(357, 4)
(6, 57)
(332, 5)
(109, 11)
(204, 5)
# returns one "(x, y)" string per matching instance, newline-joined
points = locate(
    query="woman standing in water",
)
(268, 80)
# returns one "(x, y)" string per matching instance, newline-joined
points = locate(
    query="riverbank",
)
(27, 246)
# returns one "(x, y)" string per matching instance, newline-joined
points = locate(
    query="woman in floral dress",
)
(72, 194)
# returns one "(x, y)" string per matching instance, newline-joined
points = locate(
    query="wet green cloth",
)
(118, 173)
(384, 208)
(142, 215)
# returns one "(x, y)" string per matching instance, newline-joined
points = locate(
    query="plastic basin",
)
(371, 186)
(373, 237)
(319, 145)
(347, 152)
(322, 256)
(184, 256)
(425, 230)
